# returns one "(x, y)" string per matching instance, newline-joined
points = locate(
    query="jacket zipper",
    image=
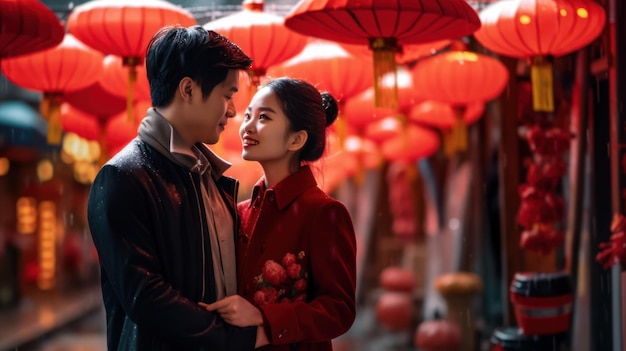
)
(195, 188)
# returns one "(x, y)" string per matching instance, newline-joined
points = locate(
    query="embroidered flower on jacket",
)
(281, 282)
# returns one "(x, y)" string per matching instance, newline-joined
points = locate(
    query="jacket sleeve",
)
(120, 224)
(331, 311)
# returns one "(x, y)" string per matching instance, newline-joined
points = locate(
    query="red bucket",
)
(543, 302)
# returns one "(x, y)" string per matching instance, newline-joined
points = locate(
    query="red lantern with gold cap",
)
(67, 67)
(124, 28)
(27, 26)
(460, 78)
(361, 109)
(331, 68)
(538, 30)
(385, 26)
(261, 35)
(115, 79)
(407, 53)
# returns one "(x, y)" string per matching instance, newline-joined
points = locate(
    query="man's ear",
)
(297, 140)
(185, 89)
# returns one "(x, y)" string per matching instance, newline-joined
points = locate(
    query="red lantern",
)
(407, 53)
(330, 68)
(538, 28)
(263, 36)
(384, 129)
(438, 335)
(119, 131)
(394, 310)
(115, 79)
(361, 109)
(68, 67)
(80, 123)
(96, 101)
(442, 115)
(124, 28)
(412, 144)
(394, 278)
(384, 26)
(459, 78)
(27, 26)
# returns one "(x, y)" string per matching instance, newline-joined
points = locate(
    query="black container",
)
(541, 284)
(512, 339)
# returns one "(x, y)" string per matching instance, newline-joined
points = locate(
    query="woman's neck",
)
(276, 172)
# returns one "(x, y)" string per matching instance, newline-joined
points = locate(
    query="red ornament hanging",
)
(80, 123)
(411, 145)
(67, 67)
(331, 68)
(124, 28)
(27, 26)
(384, 26)
(361, 109)
(460, 78)
(407, 53)
(261, 35)
(115, 79)
(442, 115)
(538, 30)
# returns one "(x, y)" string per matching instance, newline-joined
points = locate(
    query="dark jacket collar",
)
(159, 133)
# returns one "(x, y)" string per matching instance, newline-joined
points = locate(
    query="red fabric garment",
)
(296, 261)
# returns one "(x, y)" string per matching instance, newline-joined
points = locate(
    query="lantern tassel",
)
(132, 78)
(50, 110)
(385, 76)
(542, 84)
(341, 126)
(455, 138)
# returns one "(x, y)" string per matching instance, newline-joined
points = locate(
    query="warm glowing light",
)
(582, 13)
(563, 12)
(26, 215)
(462, 56)
(47, 240)
(4, 166)
(45, 170)
(524, 19)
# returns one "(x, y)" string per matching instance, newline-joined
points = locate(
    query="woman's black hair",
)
(307, 109)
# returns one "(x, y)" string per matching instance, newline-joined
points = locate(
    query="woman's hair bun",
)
(330, 106)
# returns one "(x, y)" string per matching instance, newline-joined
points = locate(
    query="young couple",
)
(166, 224)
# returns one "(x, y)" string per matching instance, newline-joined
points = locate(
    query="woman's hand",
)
(236, 310)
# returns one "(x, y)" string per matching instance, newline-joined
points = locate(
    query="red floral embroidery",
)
(281, 282)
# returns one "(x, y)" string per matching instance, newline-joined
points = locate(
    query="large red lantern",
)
(460, 78)
(262, 36)
(331, 68)
(27, 26)
(538, 29)
(115, 79)
(96, 101)
(80, 123)
(119, 130)
(385, 26)
(411, 145)
(124, 28)
(361, 109)
(407, 53)
(67, 67)
(442, 115)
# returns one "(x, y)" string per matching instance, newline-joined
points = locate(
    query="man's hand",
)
(237, 311)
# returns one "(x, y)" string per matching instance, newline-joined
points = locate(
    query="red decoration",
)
(394, 310)
(411, 145)
(536, 29)
(614, 251)
(67, 67)
(460, 78)
(95, 100)
(407, 53)
(384, 26)
(394, 278)
(262, 36)
(80, 123)
(27, 26)
(438, 335)
(361, 109)
(442, 115)
(115, 79)
(124, 28)
(119, 131)
(383, 130)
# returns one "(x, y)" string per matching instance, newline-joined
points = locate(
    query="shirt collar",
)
(288, 189)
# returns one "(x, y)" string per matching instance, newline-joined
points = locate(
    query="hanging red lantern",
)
(124, 28)
(537, 30)
(67, 67)
(459, 78)
(361, 109)
(262, 36)
(384, 129)
(96, 101)
(27, 26)
(384, 26)
(330, 68)
(115, 79)
(80, 123)
(442, 115)
(411, 145)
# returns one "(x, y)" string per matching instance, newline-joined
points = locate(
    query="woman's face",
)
(265, 131)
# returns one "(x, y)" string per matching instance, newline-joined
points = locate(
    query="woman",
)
(296, 251)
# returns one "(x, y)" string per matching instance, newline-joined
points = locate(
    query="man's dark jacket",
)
(147, 219)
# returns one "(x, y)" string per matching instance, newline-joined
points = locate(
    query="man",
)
(162, 216)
